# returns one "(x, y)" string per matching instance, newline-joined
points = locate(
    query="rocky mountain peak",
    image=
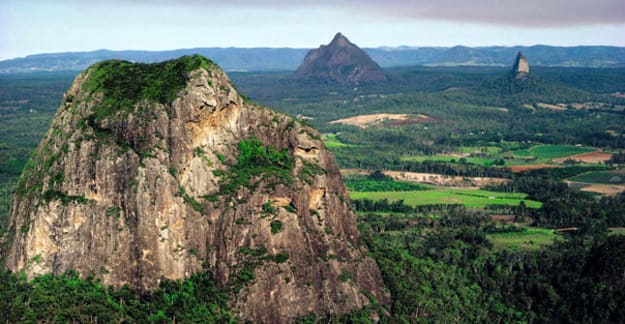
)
(340, 40)
(340, 61)
(154, 171)
(521, 66)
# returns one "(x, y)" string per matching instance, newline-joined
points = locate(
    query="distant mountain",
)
(246, 59)
(288, 59)
(340, 61)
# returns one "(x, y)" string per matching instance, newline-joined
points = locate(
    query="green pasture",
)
(531, 238)
(449, 158)
(331, 141)
(548, 152)
(538, 154)
(616, 231)
(466, 197)
(601, 177)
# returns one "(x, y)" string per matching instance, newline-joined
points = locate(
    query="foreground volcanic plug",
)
(152, 170)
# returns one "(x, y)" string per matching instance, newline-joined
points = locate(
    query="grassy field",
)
(449, 158)
(466, 197)
(331, 141)
(601, 177)
(490, 150)
(548, 152)
(538, 154)
(532, 238)
(616, 231)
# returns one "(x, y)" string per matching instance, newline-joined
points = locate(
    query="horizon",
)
(398, 47)
(37, 27)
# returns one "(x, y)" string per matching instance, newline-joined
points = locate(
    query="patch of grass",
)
(488, 150)
(448, 196)
(548, 152)
(331, 141)
(616, 231)
(531, 238)
(601, 177)
(451, 159)
(493, 156)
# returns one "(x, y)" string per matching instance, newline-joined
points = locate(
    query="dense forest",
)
(27, 104)
(441, 262)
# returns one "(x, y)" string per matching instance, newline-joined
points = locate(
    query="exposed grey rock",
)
(521, 66)
(143, 201)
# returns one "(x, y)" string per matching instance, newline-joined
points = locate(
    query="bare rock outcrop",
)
(152, 170)
(521, 66)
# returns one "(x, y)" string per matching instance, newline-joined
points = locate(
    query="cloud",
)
(515, 13)
(528, 13)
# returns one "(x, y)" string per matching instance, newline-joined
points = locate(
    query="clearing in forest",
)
(591, 157)
(448, 196)
(364, 121)
(444, 180)
(527, 167)
(549, 152)
(601, 177)
(331, 141)
(526, 239)
(601, 182)
(609, 190)
(559, 106)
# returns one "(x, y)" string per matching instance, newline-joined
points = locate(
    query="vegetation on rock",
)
(123, 83)
(255, 159)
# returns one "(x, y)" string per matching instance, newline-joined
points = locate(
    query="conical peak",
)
(520, 56)
(340, 61)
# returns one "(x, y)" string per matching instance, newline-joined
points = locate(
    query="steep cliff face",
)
(340, 61)
(151, 171)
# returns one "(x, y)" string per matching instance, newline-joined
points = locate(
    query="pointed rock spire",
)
(521, 67)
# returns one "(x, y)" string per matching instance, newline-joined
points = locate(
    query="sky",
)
(45, 26)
